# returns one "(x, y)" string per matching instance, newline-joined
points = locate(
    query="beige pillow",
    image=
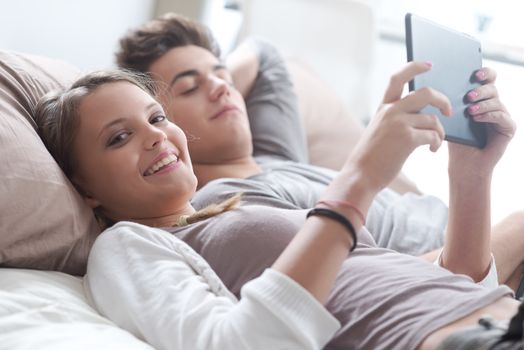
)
(44, 223)
(331, 130)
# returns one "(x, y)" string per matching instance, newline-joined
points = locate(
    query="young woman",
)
(112, 139)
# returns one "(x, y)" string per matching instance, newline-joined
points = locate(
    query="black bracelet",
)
(337, 217)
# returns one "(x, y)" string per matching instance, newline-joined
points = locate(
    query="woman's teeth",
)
(160, 164)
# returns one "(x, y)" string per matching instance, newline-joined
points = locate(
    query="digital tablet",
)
(455, 57)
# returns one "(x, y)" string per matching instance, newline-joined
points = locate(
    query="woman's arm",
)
(155, 286)
(395, 132)
(467, 247)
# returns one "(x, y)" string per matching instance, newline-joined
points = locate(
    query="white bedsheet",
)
(48, 310)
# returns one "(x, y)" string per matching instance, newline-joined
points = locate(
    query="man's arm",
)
(260, 74)
(243, 65)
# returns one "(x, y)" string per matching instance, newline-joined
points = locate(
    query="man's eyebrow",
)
(194, 72)
(190, 72)
(219, 66)
(122, 119)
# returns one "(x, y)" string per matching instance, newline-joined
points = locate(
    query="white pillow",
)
(48, 310)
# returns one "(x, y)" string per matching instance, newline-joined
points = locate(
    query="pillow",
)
(49, 310)
(44, 223)
(331, 130)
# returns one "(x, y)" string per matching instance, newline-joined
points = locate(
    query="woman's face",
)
(129, 159)
(200, 98)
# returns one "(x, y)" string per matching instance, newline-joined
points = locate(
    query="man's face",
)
(198, 95)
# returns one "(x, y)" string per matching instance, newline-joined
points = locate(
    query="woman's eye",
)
(118, 139)
(158, 119)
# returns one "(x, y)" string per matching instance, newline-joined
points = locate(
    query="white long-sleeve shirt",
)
(155, 286)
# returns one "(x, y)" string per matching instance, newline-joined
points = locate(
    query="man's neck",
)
(237, 169)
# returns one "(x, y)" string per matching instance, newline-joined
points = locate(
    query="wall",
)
(86, 32)
(82, 32)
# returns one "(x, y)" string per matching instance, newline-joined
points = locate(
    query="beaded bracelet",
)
(337, 217)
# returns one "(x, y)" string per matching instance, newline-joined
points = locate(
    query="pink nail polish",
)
(428, 63)
(480, 75)
(473, 108)
(472, 95)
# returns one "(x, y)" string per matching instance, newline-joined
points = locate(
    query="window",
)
(497, 24)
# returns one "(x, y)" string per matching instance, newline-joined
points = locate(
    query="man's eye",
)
(189, 91)
(118, 139)
(158, 119)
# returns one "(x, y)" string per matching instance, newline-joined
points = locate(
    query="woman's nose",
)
(154, 137)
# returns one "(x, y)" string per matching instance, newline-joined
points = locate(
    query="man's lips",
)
(225, 110)
(164, 159)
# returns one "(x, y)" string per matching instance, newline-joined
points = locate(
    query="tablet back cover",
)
(455, 57)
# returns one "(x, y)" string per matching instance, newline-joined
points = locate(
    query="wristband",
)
(328, 213)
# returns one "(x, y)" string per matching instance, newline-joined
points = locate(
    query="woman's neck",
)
(167, 220)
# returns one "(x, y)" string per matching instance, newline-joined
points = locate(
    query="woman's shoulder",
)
(128, 236)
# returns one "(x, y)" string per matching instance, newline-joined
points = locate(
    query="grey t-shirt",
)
(383, 299)
(410, 223)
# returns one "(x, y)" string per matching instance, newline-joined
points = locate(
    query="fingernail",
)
(480, 75)
(473, 108)
(472, 95)
(428, 64)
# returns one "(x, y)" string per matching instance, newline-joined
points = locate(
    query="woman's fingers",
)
(486, 106)
(483, 92)
(425, 129)
(485, 75)
(493, 111)
(423, 97)
(398, 80)
(433, 138)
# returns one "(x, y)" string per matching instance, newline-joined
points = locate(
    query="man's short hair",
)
(140, 48)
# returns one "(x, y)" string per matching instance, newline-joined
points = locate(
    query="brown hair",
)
(143, 46)
(57, 118)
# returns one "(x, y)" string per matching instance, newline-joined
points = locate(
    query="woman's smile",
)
(166, 162)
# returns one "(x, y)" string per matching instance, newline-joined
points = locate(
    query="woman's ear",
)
(88, 198)
(91, 202)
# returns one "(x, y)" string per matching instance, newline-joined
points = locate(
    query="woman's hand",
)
(465, 161)
(398, 128)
